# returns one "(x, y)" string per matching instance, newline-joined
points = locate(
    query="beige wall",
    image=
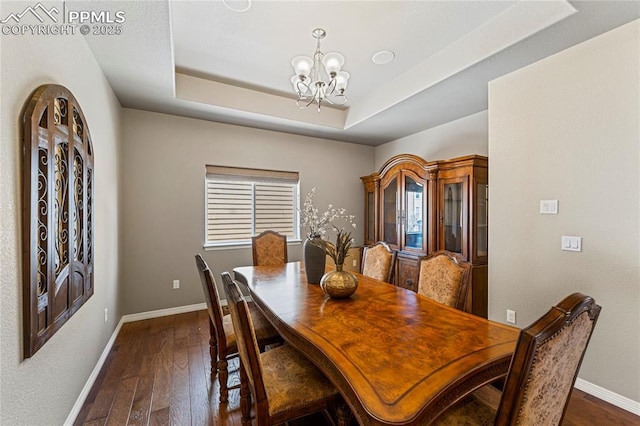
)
(585, 154)
(42, 390)
(568, 128)
(163, 170)
(467, 135)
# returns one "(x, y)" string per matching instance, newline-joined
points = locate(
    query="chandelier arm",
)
(331, 87)
(302, 92)
(335, 102)
(308, 103)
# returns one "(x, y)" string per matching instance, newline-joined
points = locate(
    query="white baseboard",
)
(611, 397)
(103, 357)
(164, 312)
(92, 378)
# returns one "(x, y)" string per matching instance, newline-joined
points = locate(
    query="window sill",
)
(241, 245)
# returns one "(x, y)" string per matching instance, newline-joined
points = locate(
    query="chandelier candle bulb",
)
(342, 78)
(302, 66)
(333, 62)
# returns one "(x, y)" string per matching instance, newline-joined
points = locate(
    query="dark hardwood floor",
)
(157, 373)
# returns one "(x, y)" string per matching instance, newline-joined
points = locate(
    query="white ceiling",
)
(201, 59)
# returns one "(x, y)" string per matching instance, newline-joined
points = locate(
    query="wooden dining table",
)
(397, 357)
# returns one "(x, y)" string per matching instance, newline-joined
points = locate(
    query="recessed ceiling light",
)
(383, 57)
(238, 5)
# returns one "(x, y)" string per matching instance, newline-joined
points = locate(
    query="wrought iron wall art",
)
(58, 204)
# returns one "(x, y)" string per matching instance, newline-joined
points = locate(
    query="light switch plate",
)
(571, 243)
(548, 206)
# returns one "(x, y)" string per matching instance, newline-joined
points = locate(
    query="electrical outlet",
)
(176, 284)
(355, 263)
(511, 316)
(106, 314)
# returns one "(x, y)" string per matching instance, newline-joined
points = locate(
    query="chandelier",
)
(319, 79)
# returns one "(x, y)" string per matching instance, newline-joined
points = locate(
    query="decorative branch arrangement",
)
(317, 224)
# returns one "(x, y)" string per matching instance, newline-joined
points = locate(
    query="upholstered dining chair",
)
(444, 278)
(269, 248)
(543, 370)
(222, 340)
(283, 383)
(378, 261)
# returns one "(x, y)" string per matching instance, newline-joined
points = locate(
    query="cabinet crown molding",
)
(428, 166)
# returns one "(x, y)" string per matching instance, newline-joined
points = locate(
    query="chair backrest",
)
(212, 297)
(444, 278)
(546, 362)
(378, 261)
(269, 249)
(247, 344)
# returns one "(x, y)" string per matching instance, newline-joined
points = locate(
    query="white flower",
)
(317, 224)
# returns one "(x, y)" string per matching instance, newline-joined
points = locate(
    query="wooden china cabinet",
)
(418, 207)
(400, 210)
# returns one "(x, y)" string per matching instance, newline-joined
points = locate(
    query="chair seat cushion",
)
(292, 381)
(470, 411)
(263, 328)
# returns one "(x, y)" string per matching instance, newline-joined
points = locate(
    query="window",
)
(243, 202)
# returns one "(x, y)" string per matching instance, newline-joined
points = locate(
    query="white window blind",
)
(242, 202)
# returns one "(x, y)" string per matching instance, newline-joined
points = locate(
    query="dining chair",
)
(269, 248)
(543, 370)
(444, 278)
(284, 384)
(378, 261)
(222, 339)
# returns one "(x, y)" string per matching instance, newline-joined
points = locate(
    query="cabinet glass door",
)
(452, 217)
(390, 213)
(413, 214)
